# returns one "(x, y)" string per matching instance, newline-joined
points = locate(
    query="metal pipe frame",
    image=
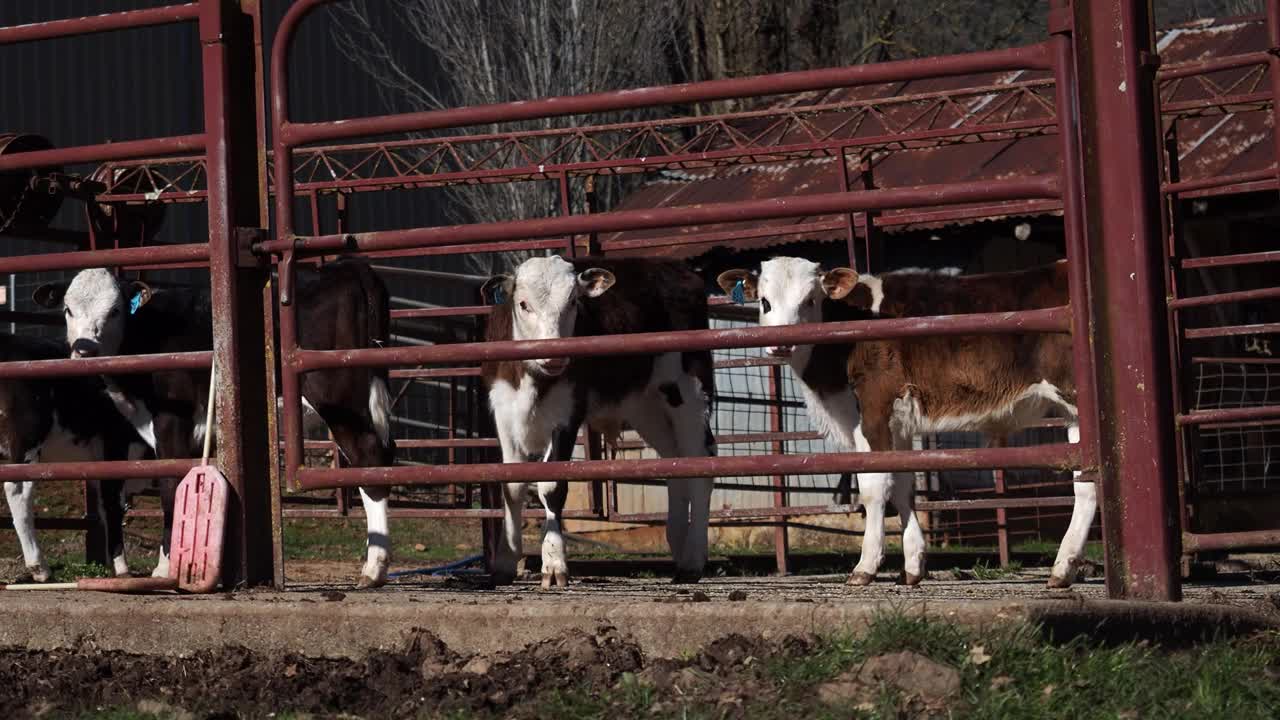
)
(1119, 120)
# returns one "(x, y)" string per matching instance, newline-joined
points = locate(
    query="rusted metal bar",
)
(153, 255)
(1237, 360)
(111, 470)
(117, 365)
(294, 134)
(720, 236)
(1216, 261)
(781, 541)
(1211, 65)
(1058, 456)
(1047, 320)
(1067, 91)
(1207, 542)
(235, 177)
(1273, 69)
(1270, 293)
(1225, 415)
(436, 372)
(1120, 138)
(124, 150)
(464, 310)
(1045, 186)
(1240, 178)
(1231, 331)
(412, 443)
(99, 23)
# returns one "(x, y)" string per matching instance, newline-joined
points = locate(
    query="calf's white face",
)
(544, 295)
(790, 291)
(94, 307)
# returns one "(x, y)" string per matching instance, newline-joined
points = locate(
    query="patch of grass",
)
(982, 571)
(68, 570)
(1092, 550)
(344, 540)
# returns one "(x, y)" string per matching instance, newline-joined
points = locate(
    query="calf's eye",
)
(808, 303)
(114, 312)
(765, 306)
(525, 306)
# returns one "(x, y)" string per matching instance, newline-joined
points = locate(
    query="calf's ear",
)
(139, 294)
(839, 282)
(497, 290)
(738, 282)
(593, 282)
(49, 295)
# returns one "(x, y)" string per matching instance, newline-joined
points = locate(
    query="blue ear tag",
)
(739, 293)
(134, 303)
(499, 297)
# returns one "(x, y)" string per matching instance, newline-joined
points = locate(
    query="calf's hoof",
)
(686, 577)
(911, 580)
(555, 578)
(503, 577)
(860, 578)
(366, 583)
(39, 573)
(1057, 582)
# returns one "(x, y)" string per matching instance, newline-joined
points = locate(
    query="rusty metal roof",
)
(1214, 138)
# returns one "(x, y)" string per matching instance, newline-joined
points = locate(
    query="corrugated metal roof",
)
(1209, 145)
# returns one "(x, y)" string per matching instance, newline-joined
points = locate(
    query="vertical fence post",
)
(236, 174)
(1119, 126)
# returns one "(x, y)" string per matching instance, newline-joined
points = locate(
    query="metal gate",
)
(1107, 185)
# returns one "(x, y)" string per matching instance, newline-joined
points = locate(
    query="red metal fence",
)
(1106, 133)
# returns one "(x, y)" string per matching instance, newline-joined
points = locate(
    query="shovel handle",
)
(41, 586)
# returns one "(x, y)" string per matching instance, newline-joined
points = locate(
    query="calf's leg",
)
(1071, 552)
(21, 506)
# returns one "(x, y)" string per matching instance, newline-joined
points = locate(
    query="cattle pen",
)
(1094, 95)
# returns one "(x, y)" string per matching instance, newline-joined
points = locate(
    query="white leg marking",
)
(555, 566)
(379, 540)
(904, 500)
(873, 491)
(1073, 542)
(162, 565)
(120, 565)
(507, 558)
(380, 410)
(21, 500)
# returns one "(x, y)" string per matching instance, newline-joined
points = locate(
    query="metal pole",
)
(1119, 126)
(235, 177)
(781, 538)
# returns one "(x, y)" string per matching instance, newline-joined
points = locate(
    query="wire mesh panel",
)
(1236, 458)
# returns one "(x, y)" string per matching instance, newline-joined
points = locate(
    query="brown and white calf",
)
(341, 305)
(539, 405)
(875, 395)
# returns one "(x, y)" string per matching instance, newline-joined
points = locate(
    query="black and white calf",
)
(875, 395)
(341, 305)
(539, 405)
(60, 420)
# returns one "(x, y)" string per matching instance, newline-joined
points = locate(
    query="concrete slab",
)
(665, 620)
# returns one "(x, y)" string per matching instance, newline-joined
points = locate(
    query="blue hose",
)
(442, 569)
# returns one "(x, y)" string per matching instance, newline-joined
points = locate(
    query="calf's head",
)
(542, 297)
(94, 304)
(790, 290)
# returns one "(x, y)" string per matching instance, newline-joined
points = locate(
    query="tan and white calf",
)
(875, 395)
(539, 405)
